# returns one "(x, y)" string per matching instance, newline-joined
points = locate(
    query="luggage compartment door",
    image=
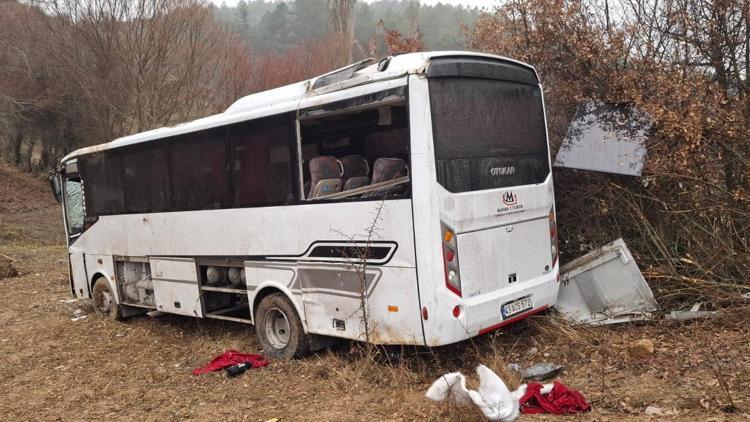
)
(176, 286)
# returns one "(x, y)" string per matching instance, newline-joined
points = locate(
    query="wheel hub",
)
(104, 302)
(277, 328)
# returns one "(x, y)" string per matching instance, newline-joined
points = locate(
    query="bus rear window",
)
(487, 133)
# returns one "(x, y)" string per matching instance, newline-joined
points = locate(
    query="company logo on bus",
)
(510, 204)
(503, 171)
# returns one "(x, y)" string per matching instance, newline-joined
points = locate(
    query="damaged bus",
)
(406, 201)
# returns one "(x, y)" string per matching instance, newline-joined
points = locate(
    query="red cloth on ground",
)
(560, 401)
(229, 358)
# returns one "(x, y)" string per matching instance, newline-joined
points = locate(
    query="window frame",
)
(392, 96)
(168, 143)
(75, 178)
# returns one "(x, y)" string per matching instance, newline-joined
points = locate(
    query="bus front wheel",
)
(279, 328)
(105, 303)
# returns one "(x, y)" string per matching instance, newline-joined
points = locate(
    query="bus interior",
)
(360, 153)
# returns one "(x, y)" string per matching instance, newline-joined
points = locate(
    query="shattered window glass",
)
(74, 211)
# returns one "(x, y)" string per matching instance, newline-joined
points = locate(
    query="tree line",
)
(276, 26)
(80, 72)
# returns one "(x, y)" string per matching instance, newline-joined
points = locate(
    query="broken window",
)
(74, 211)
(357, 148)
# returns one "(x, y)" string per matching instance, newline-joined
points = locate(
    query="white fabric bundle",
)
(493, 398)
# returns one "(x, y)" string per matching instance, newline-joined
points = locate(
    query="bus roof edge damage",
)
(288, 97)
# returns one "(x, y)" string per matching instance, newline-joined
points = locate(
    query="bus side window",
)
(198, 170)
(359, 138)
(261, 161)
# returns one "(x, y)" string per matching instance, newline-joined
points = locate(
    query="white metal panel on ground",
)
(605, 286)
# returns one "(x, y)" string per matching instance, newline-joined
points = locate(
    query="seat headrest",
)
(324, 167)
(354, 166)
(386, 169)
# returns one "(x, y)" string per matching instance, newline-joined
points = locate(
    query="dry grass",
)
(55, 369)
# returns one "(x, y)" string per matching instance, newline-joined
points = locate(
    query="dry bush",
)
(687, 219)
(399, 44)
(7, 269)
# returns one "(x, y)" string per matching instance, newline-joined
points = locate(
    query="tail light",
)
(450, 260)
(553, 236)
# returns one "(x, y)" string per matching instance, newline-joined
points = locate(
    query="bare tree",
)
(342, 19)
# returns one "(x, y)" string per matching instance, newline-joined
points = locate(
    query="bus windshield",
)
(74, 210)
(487, 133)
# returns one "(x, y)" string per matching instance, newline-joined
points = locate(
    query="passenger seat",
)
(355, 173)
(386, 169)
(325, 176)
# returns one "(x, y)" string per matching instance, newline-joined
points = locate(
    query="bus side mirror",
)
(54, 184)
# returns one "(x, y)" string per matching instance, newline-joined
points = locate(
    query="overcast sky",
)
(477, 3)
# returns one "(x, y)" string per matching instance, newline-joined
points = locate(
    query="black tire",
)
(105, 303)
(279, 328)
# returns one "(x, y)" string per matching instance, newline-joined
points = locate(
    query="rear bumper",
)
(511, 320)
(482, 314)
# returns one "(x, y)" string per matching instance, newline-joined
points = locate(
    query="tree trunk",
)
(15, 148)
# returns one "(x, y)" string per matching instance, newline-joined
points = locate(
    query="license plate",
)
(516, 307)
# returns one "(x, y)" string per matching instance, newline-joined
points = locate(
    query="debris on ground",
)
(642, 348)
(493, 398)
(693, 313)
(230, 358)
(604, 286)
(67, 300)
(498, 403)
(78, 315)
(653, 411)
(238, 369)
(539, 372)
(559, 400)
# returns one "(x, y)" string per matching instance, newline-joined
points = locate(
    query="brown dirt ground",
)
(52, 368)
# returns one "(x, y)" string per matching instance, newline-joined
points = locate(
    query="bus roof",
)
(287, 98)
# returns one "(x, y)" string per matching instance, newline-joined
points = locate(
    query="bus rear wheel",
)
(279, 328)
(105, 303)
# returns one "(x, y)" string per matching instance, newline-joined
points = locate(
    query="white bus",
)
(406, 201)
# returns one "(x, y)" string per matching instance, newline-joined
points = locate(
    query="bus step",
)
(223, 289)
(235, 313)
